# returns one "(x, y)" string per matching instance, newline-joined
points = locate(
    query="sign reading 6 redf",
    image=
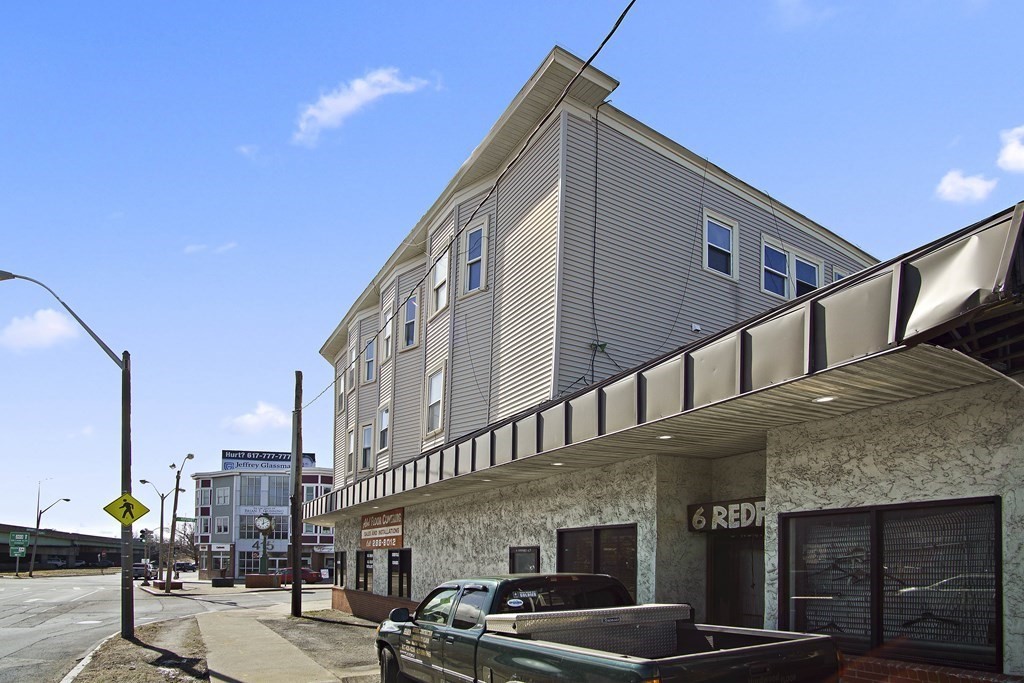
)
(723, 516)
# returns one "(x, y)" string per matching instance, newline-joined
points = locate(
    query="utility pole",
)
(296, 511)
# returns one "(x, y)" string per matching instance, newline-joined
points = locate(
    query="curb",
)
(73, 674)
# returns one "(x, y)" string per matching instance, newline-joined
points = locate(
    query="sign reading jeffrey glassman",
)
(382, 529)
(262, 460)
(726, 516)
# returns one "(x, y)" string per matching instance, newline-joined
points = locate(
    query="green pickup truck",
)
(582, 627)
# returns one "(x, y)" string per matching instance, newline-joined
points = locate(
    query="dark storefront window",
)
(917, 582)
(524, 560)
(600, 550)
(400, 572)
(364, 570)
(340, 564)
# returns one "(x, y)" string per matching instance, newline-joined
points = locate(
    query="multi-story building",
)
(253, 483)
(617, 357)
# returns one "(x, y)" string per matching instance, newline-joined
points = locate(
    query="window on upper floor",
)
(203, 496)
(720, 245)
(786, 273)
(474, 265)
(386, 342)
(341, 391)
(409, 320)
(351, 450)
(435, 401)
(439, 284)
(369, 361)
(279, 493)
(353, 360)
(383, 423)
(203, 525)
(837, 275)
(221, 525)
(223, 495)
(366, 448)
(250, 486)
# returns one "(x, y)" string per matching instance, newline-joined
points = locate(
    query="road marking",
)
(33, 600)
(84, 595)
(88, 622)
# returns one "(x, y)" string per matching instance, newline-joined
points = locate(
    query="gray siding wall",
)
(472, 318)
(437, 332)
(369, 392)
(340, 427)
(387, 367)
(407, 406)
(645, 276)
(524, 273)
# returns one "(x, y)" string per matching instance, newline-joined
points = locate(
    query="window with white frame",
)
(435, 399)
(806, 274)
(223, 495)
(474, 268)
(775, 268)
(203, 496)
(351, 450)
(250, 490)
(409, 318)
(837, 275)
(369, 354)
(221, 526)
(386, 342)
(341, 391)
(719, 245)
(366, 448)
(439, 284)
(353, 360)
(279, 494)
(204, 525)
(383, 422)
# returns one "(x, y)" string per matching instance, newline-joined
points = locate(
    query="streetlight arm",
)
(59, 500)
(6, 275)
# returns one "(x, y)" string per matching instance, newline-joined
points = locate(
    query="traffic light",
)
(145, 535)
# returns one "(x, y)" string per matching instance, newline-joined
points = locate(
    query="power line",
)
(458, 232)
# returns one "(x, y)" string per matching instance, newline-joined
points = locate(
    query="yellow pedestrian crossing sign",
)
(126, 509)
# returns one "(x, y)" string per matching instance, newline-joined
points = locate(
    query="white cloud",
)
(331, 110)
(85, 432)
(227, 246)
(798, 13)
(956, 187)
(248, 151)
(195, 248)
(265, 416)
(1011, 156)
(42, 329)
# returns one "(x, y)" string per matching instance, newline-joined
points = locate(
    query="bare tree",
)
(185, 544)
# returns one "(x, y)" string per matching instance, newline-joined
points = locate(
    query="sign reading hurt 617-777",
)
(126, 509)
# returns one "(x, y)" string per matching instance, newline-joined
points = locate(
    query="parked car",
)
(104, 563)
(575, 627)
(56, 564)
(79, 563)
(184, 566)
(141, 570)
(307, 575)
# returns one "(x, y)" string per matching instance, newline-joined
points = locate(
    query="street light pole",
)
(163, 496)
(39, 517)
(174, 518)
(124, 363)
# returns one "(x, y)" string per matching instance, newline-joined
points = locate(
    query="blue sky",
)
(210, 185)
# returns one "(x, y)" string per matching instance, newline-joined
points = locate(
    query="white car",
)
(141, 570)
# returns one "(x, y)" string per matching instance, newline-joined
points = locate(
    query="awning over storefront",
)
(942, 317)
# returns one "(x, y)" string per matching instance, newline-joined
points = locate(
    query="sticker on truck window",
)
(515, 603)
(524, 594)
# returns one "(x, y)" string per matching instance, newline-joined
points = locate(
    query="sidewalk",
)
(243, 645)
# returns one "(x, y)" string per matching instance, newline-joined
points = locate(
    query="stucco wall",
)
(958, 444)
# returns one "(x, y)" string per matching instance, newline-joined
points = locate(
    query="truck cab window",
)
(470, 610)
(438, 605)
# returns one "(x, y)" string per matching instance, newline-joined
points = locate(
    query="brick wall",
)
(875, 670)
(367, 605)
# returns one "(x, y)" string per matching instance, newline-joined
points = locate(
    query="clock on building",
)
(264, 523)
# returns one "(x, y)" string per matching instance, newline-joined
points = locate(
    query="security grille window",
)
(524, 560)
(279, 493)
(383, 421)
(364, 570)
(600, 550)
(366, 448)
(369, 369)
(919, 580)
(435, 394)
(223, 495)
(718, 246)
(351, 450)
(340, 564)
(475, 259)
(775, 264)
(203, 496)
(250, 493)
(387, 343)
(409, 323)
(400, 572)
(806, 276)
(439, 282)
(221, 526)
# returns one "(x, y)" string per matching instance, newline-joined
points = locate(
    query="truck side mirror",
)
(399, 614)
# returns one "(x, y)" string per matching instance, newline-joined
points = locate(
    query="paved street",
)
(48, 623)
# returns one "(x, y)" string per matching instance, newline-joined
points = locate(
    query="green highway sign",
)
(19, 539)
(185, 519)
(17, 551)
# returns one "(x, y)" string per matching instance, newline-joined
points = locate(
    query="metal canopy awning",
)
(943, 317)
